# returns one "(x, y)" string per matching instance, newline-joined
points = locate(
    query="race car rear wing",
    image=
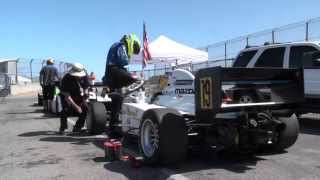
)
(219, 90)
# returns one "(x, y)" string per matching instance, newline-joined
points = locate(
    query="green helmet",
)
(132, 43)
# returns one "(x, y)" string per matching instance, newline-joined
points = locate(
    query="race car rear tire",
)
(167, 141)
(96, 118)
(289, 134)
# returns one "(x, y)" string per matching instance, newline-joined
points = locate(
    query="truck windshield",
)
(244, 58)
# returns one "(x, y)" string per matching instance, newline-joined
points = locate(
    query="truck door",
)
(311, 71)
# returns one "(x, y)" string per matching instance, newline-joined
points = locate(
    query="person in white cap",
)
(74, 86)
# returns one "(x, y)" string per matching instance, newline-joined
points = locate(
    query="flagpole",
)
(142, 75)
(146, 54)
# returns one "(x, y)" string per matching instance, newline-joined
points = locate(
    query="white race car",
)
(231, 109)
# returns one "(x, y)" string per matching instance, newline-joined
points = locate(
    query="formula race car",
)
(209, 110)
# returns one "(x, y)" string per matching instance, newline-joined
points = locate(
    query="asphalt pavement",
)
(31, 149)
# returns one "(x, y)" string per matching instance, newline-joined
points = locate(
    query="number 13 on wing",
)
(206, 93)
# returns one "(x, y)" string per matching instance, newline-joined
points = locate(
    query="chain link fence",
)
(223, 53)
(26, 70)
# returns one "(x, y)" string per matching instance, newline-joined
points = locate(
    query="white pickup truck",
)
(289, 55)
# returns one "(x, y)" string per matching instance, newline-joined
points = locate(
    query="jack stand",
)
(114, 150)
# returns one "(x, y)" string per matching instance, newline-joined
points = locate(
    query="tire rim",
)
(245, 99)
(149, 137)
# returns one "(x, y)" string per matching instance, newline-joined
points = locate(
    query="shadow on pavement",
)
(309, 126)
(99, 159)
(27, 112)
(35, 105)
(38, 133)
(15, 112)
(309, 122)
(231, 162)
(311, 131)
(194, 162)
(129, 172)
(73, 138)
(38, 111)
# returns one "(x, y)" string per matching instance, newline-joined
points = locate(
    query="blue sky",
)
(83, 30)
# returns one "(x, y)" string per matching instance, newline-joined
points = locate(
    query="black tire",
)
(58, 105)
(96, 118)
(172, 133)
(40, 100)
(289, 134)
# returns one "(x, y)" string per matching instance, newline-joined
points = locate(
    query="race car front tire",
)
(96, 118)
(163, 137)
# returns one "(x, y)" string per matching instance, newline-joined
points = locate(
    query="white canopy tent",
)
(166, 51)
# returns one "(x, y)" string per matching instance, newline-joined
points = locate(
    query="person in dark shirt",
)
(74, 87)
(48, 79)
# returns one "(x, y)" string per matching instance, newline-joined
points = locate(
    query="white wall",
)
(30, 88)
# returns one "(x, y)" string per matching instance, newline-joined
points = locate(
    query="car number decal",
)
(206, 93)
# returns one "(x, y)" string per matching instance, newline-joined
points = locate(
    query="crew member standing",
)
(48, 78)
(116, 76)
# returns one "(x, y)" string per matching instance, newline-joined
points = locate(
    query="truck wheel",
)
(163, 137)
(96, 118)
(289, 135)
(245, 97)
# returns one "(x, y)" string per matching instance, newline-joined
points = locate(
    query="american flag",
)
(146, 52)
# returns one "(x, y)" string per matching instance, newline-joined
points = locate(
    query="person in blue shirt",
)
(48, 78)
(116, 76)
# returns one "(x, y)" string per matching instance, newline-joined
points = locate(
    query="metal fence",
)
(308, 30)
(26, 70)
(147, 73)
(223, 53)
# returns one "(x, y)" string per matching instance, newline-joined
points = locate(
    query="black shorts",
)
(119, 77)
(48, 92)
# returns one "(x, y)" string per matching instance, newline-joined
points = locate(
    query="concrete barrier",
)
(29, 88)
